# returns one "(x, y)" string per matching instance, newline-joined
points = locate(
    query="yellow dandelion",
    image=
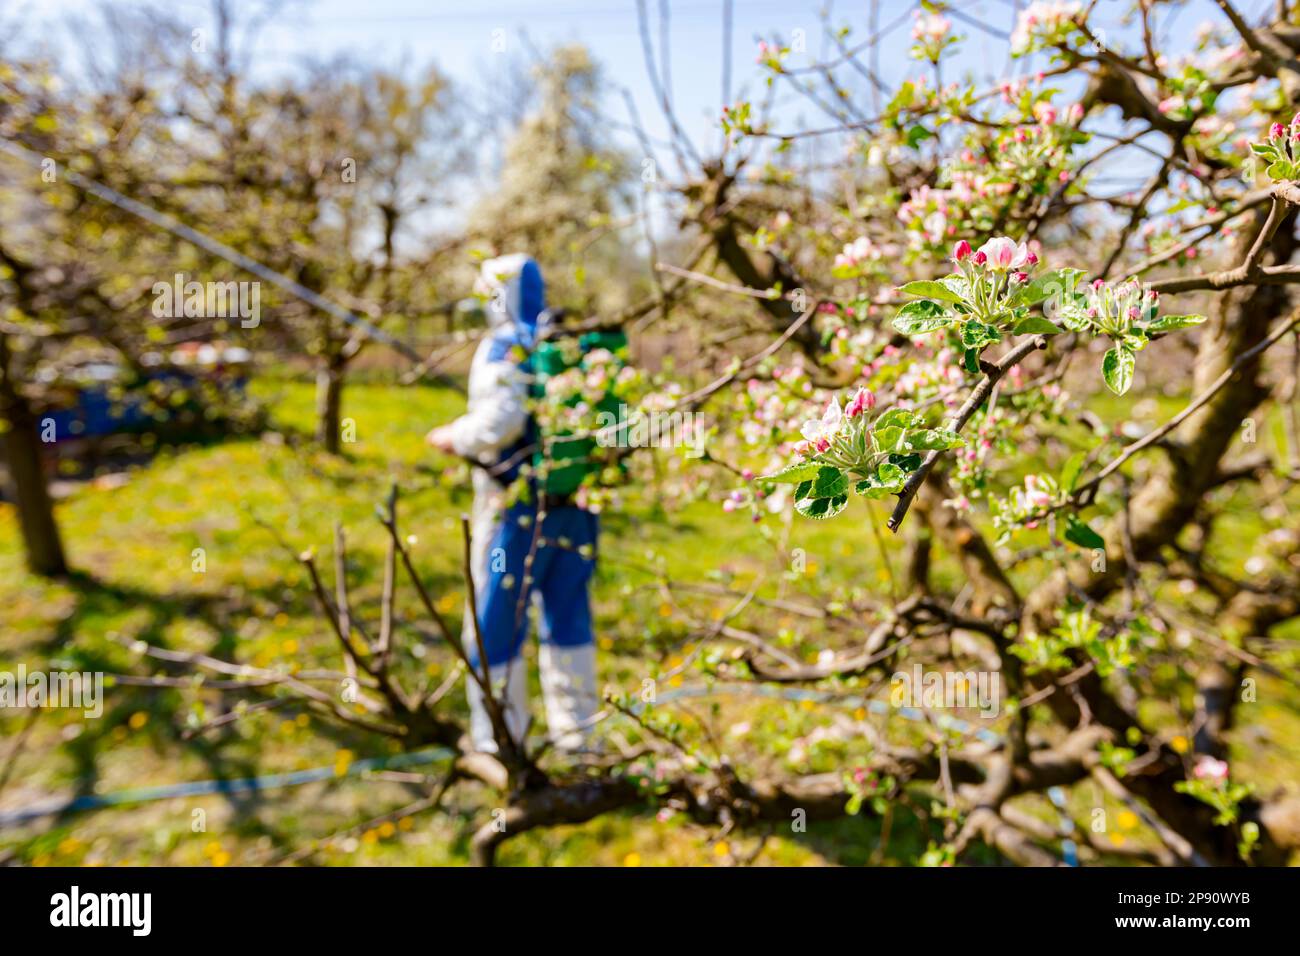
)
(1179, 744)
(221, 859)
(632, 859)
(606, 643)
(289, 647)
(386, 830)
(721, 849)
(138, 720)
(1128, 820)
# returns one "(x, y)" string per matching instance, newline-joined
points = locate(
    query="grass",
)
(183, 555)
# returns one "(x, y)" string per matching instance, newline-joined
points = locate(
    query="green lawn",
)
(134, 547)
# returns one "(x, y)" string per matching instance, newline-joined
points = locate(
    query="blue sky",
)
(459, 35)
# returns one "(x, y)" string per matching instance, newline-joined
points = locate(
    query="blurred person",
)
(498, 433)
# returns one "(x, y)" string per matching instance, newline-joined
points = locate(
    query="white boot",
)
(511, 692)
(569, 689)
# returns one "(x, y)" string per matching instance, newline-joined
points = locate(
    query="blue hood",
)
(515, 281)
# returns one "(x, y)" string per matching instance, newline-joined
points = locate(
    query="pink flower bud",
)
(1276, 132)
(1031, 259)
(1020, 277)
(979, 258)
(962, 251)
(862, 401)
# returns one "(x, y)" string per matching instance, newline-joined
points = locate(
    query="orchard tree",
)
(1057, 412)
(562, 191)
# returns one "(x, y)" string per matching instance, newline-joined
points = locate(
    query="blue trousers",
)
(560, 579)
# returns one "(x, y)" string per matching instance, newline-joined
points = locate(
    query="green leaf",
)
(1117, 369)
(902, 417)
(1036, 325)
(935, 439)
(928, 289)
(1074, 316)
(1071, 470)
(1168, 323)
(918, 134)
(1057, 283)
(958, 286)
(970, 359)
(821, 508)
(976, 335)
(891, 476)
(793, 474)
(1077, 531)
(871, 489)
(1280, 170)
(888, 438)
(829, 483)
(920, 317)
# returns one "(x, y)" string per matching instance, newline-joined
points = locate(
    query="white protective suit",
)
(495, 432)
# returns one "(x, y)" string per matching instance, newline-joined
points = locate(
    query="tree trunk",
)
(329, 402)
(22, 453)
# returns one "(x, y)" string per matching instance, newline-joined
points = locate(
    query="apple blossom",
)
(1211, 769)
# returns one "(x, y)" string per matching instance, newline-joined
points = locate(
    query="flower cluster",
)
(843, 447)
(1027, 502)
(1282, 150)
(571, 396)
(1125, 312)
(992, 294)
(999, 174)
(772, 56)
(1044, 23)
(860, 254)
(989, 296)
(1191, 94)
(930, 32)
